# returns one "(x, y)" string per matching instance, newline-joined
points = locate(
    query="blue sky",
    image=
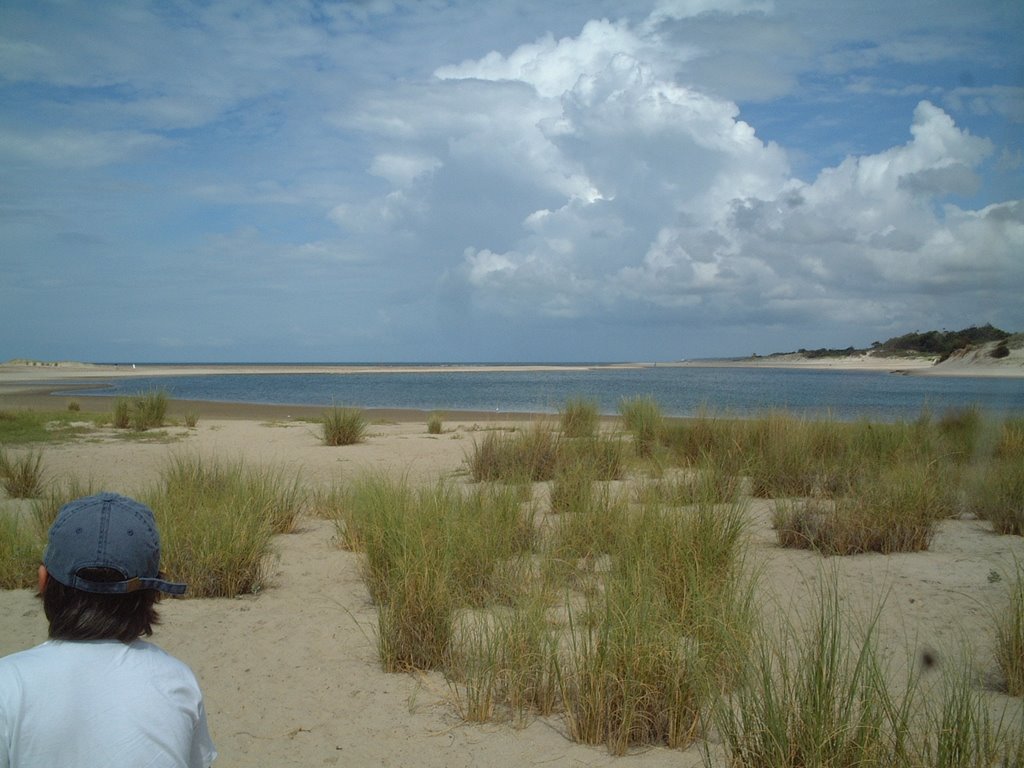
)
(483, 181)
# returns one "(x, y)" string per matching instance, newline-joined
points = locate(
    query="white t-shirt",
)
(101, 703)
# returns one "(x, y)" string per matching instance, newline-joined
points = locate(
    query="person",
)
(95, 693)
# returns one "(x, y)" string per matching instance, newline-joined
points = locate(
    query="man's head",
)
(100, 577)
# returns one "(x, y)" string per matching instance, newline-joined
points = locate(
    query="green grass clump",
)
(430, 552)
(435, 424)
(343, 426)
(995, 492)
(148, 410)
(21, 551)
(217, 520)
(960, 731)
(813, 698)
(529, 455)
(504, 663)
(22, 476)
(894, 511)
(122, 416)
(642, 417)
(631, 679)
(1010, 637)
(579, 418)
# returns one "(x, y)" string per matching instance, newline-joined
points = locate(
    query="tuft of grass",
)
(435, 424)
(995, 492)
(191, 418)
(813, 697)
(895, 511)
(631, 679)
(530, 455)
(217, 520)
(22, 476)
(74, 406)
(148, 410)
(1009, 626)
(343, 426)
(21, 550)
(579, 418)
(642, 417)
(430, 552)
(122, 416)
(959, 730)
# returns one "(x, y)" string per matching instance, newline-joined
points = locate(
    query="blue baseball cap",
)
(107, 531)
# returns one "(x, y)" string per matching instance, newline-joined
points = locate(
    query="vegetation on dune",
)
(940, 344)
(603, 574)
(343, 426)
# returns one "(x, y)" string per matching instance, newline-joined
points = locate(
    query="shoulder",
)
(159, 660)
(21, 660)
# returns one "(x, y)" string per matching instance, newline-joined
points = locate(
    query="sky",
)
(499, 180)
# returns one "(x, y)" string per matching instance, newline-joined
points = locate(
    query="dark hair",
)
(77, 615)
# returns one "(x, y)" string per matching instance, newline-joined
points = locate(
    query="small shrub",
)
(579, 418)
(343, 426)
(191, 418)
(22, 477)
(74, 406)
(435, 424)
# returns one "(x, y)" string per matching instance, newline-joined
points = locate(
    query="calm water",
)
(679, 391)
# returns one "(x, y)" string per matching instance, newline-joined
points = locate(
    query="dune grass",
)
(995, 492)
(432, 551)
(895, 510)
(343, 426)
(217, 520)
(1009, 631)
(435, 424)
(642, 417)
(21, 551)
(818, 695)
(579, 417)
(122, 415)
(22, 476)
(527, 455)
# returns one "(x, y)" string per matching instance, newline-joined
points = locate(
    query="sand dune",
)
(291, 676)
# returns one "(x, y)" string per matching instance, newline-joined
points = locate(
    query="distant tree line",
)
(940, 343)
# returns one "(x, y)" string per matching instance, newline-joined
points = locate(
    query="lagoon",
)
(680, 391)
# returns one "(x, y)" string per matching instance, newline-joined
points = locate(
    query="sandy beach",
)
(291, 676)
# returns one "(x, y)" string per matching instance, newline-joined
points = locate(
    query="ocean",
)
(680, 391)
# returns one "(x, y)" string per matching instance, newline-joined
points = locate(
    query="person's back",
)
(95, 694)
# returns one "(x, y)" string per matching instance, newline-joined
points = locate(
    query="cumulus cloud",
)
(668, 203)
